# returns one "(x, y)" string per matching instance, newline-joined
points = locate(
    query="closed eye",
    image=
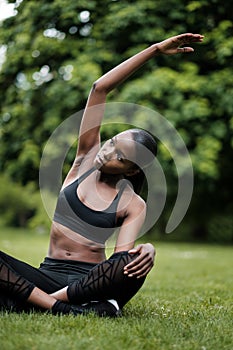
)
(112, 143)
(120, 157)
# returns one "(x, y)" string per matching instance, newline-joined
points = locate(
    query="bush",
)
(41, 221)
(220, 229)
(21, 206)
(16, 202)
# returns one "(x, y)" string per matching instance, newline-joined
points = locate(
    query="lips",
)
(99, 161)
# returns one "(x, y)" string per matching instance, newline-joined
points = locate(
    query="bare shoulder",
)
(82, 163)
(73, 172)
(136, 198)
(138, 203)
(133, 202)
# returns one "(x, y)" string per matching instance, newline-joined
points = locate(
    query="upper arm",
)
(131, 226)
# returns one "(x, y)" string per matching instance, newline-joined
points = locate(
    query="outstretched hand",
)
(144, 262)
(176, 44)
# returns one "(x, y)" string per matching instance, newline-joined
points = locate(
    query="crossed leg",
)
(105, 281)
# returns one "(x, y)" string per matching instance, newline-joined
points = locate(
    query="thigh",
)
(66, 271)
(32, 274)
(106, 281)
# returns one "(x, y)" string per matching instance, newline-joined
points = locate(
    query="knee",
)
(121, 259)
(3, 256)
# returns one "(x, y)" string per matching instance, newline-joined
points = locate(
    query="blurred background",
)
(52, 51)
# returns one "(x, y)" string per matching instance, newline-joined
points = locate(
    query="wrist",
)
(156, 50)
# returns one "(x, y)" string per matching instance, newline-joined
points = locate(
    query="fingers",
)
(140, 271)
(135, 249)
(185, 49)
(187, 39)
(190, 37)
(179, 44)
(134, 263)
(139, 267)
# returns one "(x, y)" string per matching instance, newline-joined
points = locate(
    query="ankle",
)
(60, 308)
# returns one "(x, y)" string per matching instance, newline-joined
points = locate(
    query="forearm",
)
(92, 117)
(169, 46)
(121, 72)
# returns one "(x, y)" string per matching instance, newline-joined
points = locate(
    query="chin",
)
(109, 171)
(97, 164)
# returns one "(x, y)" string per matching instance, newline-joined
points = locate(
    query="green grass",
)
(185, 303)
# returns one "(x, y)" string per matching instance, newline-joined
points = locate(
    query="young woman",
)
(76, 277)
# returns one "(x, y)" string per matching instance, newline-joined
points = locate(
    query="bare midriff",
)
(69, 245)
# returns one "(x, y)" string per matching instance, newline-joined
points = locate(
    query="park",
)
(51, 53)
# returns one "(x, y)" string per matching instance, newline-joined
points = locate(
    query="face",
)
(116, 155)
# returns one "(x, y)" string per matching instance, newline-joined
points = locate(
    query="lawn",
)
(185, 303)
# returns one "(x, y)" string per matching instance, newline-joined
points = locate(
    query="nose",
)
(108, 153)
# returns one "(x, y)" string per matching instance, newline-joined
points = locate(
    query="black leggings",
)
(86, 281)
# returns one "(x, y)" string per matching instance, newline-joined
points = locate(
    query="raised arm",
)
(89, 130)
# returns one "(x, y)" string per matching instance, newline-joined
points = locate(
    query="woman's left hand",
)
(142, 265)
(173, 45)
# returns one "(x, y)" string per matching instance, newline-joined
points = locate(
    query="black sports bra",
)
(94, 225)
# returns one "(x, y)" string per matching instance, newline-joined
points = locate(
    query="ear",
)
(132, 172)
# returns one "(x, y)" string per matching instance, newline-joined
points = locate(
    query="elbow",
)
(99, 88)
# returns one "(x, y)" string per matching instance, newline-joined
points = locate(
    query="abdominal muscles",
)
(69, 245)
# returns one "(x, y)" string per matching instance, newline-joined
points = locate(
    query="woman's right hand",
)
(173, 45)
(142, 264)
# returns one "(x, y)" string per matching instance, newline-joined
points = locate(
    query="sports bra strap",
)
(123, 185)
(85, 175)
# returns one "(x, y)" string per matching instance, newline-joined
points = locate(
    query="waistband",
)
(68, 262)
(78, 262)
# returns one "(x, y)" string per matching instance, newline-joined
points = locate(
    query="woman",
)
(75, 277)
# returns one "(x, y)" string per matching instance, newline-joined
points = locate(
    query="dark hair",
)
(146, 151)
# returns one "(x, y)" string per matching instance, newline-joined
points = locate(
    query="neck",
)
(110, 179)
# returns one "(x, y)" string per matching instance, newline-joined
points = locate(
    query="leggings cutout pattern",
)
(106, 281)
(14, 284)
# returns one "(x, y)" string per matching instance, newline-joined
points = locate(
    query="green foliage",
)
(56, 49)
(21, 205)
(220, 228)
(16, 202)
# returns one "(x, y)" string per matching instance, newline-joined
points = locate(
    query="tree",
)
(56, 49)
